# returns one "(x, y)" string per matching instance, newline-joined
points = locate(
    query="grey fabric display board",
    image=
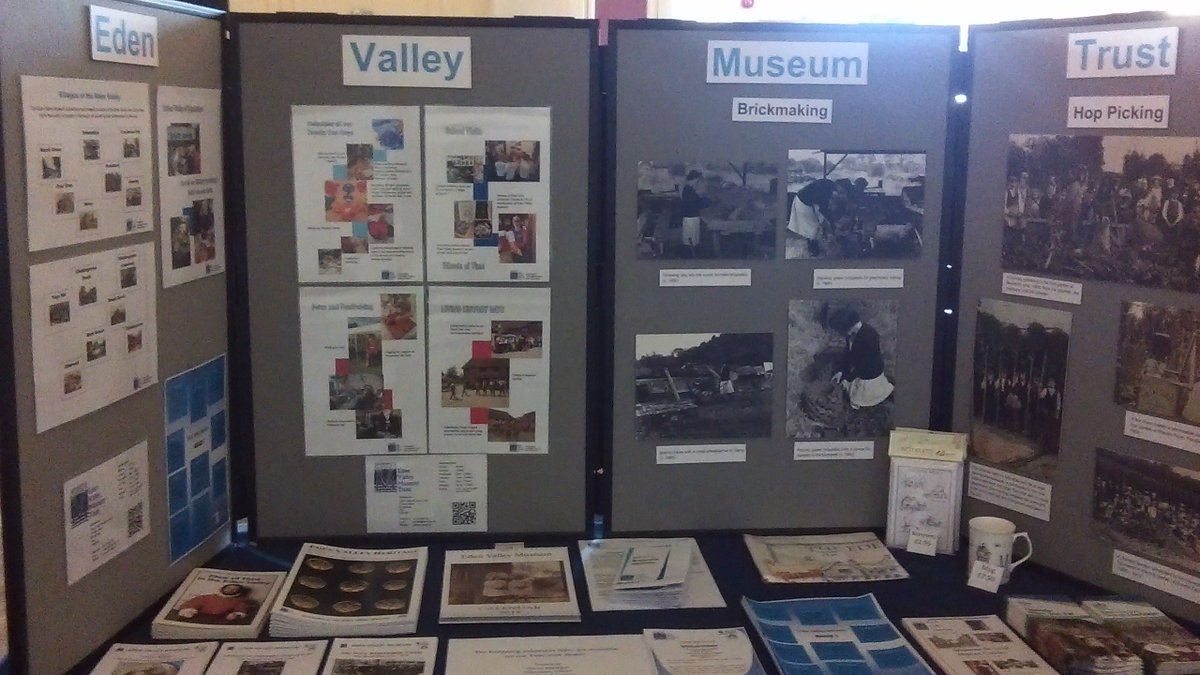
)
(664, 111)
(61, 624)
(516, 63)
(1020, 87)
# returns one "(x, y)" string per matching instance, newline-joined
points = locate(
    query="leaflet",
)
(506, 585)
(487, 177)
(276, 658)
(490, 350)
(925, 496)
(358, 193)
(653, 566)
(965, 645)
(190, 184)
(567, 655)
(427, 494)
(602, 558)
(105, 511)
(405, 656)
(87, 160)
(188, 658)
(93, 331)
(713, 651)
(856, 556)
(362, 352)
(197, 433)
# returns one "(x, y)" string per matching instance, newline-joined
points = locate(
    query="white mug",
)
(991, 541)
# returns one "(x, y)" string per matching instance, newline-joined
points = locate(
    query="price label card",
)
(924, 542)
(985, 577)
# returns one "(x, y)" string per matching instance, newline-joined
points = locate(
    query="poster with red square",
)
(479, 415)
(481, 349)
(341, 367)
(386, 396)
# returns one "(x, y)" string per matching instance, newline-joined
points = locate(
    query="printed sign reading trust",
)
(731, 61)
(406, 61)
(1122, 53)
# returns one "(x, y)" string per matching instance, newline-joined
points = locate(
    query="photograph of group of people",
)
(841, 368)
(513, 161)
(1111, 208)
(707, 210)
(512, 234)
(1158, 361)
(843, 205)
(194, 235)
(480, 382)
(507, 582)
(183, 149)
(1019, 376)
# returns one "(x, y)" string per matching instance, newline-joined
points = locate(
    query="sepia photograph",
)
(131, 147)
(262, 667)
(499, 583)
(843, 205)
(148, 668)
(133, 197)
(87, 293)
(1112, 208)
(1158, 361)
(51, 167)
(128, 276)
(64, 203)
(116, 314)
(378, 666)
(88, 220)
(133, 340)
(517, 339)
(703, 385)
(338, 587)
(72, 381)
(60, 312)
(504, 428)
(91, 149)
(1148, 508)
(481, 382)
(96, 348)
(841, 368)
(112, 181)
(1019, 377)
(710, 211)
(345, 201)
(513, 161)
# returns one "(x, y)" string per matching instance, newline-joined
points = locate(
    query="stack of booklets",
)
(969, 645)
(823, 558)
(187, 658)
(217, 604)
(833, 635)
(332, 591)
(263, 658)
(1166, 647)
(382, 656)
(508, 585)
(635, 574)
(1068, 637)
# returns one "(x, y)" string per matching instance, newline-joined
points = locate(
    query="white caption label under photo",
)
(1166, 432)
(701, 454)
(1009, 490)
(825, 450)
(824, 279)
(1042, 288)
(704, 277)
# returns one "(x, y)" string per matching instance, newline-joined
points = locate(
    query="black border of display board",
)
(1033, 100)
(46, 632)
(769, 491)
(557, 497)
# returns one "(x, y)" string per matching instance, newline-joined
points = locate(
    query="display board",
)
(1076, 362)
(452, 242)
(775, 230)
(88, 305)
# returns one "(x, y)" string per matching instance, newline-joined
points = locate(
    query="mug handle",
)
(1028, 542)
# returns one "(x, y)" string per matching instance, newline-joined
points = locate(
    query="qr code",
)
(462, 513)
(135, 518)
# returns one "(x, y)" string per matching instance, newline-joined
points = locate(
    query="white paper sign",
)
(761, 62)
(123, 37)
(1154, 575)
(810, 450)
(985, 577)
(406, 61)
(87, 160)
(701, 454)
(190, 186)
(94, 331)
(1167, 432)
(824, 279)
(1122, 53)
(427, 494)
(1010, 490)
(106, 510)
(924, 542)
(1118, 112)
(1042, 288)
(739, 276)
(794, 110)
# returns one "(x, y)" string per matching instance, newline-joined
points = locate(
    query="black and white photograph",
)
(96, 348)
(707, 210)
(1112, 208)
(1020, 372)
(64, 203)
(504, 428)
(131, 147)
(1158, 361)
(841, 368)
(89, 220)
(148, 668)
(51, 167)
(60, 312)
(133, 197)
(91, 149)
(495, 583)
(133, 340)
(517, 339)
(464, 169)
(1148, 508)
(128, 276)
(339, 587)
(513, 161)
(87, 293)
(703, 385)
(378, 423)
(360, 391)
(112, 181)
(329, 260)
(854, 205)
(183, 149)
(181, 242)
(72, 381)
(481, 382)
(262, 667)
(380, 666)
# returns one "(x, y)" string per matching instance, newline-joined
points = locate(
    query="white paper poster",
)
(93, 331)
(566, 655)
(489, 349)
(87, 159)
(427, 494)
(197, 439)
(105, 511)
(363, 353)
(190, 184)
(487, 176)
(358, 193)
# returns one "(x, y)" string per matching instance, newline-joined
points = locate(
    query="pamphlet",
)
(968, 645)
(603, 557)
(275, 658)
(443, 493)
(857, 556)
(1165, 646)
(106, 510)
(712, 651)
(508, 585)
(382, 656)
(566, 655)
(218, 604)
(1068, 637)
(188, 658)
